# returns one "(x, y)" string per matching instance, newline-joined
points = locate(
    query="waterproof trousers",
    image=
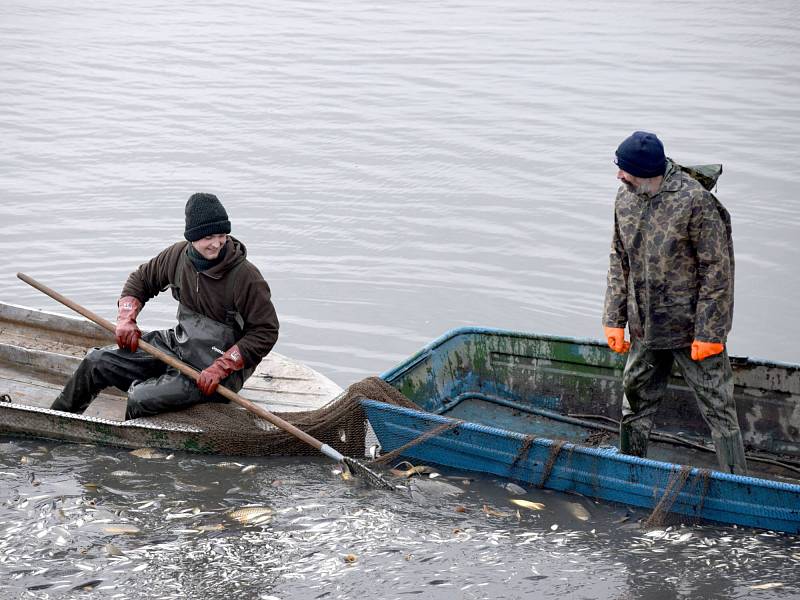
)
(644, 382)
(151, 385)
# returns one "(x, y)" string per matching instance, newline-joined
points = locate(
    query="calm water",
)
(396, 170)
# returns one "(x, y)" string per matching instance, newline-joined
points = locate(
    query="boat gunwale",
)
(81, 418)
(52, 321)
(428, 350)
(588, 450)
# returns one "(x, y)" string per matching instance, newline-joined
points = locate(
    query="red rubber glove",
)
(127, 332)
(615, 336)
(702, 350)
(222, 367)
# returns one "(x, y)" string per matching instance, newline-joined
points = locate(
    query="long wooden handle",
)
(188, 371)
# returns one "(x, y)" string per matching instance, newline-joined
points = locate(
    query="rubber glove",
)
(702, 350)
(616, 339)
(222, 367)
(127, 331)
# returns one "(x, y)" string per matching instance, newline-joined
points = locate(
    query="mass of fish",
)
(300, 530)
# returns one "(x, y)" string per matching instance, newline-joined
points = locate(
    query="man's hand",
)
(702, 350)
(209, 378)
(615, 336)
(127, 331)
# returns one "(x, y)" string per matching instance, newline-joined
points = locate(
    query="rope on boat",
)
(547, 469)
(785, 463)
(527, 442)
(431, 433)
(675, 485)
(555, 450)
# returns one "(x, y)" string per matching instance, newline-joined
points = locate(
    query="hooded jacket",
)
(204, 292)
(671, 270)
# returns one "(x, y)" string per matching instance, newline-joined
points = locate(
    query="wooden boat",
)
(39, 350)
(543, 410)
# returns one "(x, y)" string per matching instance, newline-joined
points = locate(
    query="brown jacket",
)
(204, 293)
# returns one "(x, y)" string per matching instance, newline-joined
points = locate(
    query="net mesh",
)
(341, 424)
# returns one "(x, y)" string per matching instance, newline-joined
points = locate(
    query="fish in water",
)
(433, 488)
(121, 529)
(527, 504)
(251, 514)
(123, 474)
(146, 453)
(578, 511)
(493, 512)
(343, 471)
(513, 488)
(767, 586)
(418, 470)
(229, 465)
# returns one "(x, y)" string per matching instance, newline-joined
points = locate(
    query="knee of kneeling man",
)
(96, 357)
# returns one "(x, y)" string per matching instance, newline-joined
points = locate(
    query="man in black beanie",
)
(226, 323)
(670, 280)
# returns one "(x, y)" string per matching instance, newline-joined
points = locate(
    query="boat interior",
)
(567, 389)
(39, 350)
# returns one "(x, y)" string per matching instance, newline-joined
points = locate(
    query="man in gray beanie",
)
(226, 323)
(670, 280)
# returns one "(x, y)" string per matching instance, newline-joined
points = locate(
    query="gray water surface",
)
(395, 170)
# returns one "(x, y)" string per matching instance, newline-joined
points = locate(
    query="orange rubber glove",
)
(127, 331)
(702, 350)
(615, 336)
(222, 367)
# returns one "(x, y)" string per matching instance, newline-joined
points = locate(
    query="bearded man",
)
(670, 280)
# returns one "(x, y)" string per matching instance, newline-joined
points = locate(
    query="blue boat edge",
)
(601, 473)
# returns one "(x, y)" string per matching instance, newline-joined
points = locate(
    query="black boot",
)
(730, 453)
(632, 440)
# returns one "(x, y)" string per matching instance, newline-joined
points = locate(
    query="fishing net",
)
(341, 424)
(547, 467)
(679, 481)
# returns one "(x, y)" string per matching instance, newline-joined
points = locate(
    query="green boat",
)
(543, 410)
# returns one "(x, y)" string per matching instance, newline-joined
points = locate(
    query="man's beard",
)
(643, 188)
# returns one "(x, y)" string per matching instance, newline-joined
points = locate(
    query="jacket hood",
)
(235, 252)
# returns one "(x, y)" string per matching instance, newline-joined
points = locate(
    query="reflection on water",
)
(395, 170)
(177, 526)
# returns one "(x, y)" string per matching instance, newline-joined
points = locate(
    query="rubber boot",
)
(730, 453)
(631, 440)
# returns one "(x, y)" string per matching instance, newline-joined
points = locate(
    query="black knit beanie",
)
(205, 215)
(642, 155)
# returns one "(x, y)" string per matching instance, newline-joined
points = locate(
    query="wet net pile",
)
(342, 424)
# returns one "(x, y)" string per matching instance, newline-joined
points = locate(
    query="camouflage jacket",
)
(671, 266)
